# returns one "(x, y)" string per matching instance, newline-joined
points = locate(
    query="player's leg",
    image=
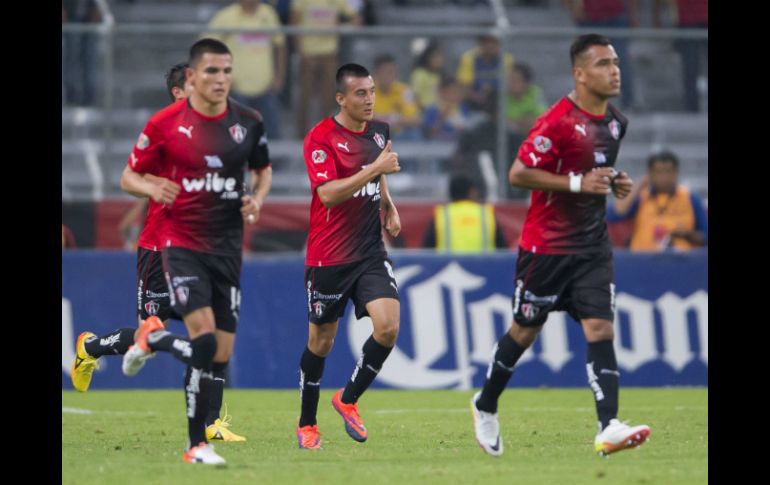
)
(90, 347)
(154, 306)
(539, 281)
(593, 304)
(375, 295)
(189, 278)
(319, 343)
(197, 385)
(328, 291)
(226, 303)
(217, 427)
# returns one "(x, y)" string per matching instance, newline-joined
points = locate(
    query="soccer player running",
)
(347, 158)
(201, 144)
(152, 292)
(565, 256)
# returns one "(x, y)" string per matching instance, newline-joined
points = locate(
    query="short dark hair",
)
(447, 81)
(583, 43)
(524, 70)
(383, 59)
(349, 70)
(207, 45)
(664, 156)
(175, 78)
(460, 187)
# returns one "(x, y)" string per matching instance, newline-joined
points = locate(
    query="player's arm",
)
(392, 219)
(336, 191)
(159, 189)
(261, 181)
(595, 182)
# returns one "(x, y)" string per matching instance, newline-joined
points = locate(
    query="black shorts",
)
(151, 287)
(330, 287)
(581, 284)
(198, 280)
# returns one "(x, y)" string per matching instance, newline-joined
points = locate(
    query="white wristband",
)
(575, 182)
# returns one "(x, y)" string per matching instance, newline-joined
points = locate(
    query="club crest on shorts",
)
(614, 127)
(319, 308)
(152, 307)
(238, 132)
(379, 140)
(182, 294)
(529, 310)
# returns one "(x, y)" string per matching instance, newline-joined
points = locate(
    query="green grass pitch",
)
(117, 437)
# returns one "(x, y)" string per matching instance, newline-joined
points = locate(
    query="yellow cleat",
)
(84, 365)
(219, 432)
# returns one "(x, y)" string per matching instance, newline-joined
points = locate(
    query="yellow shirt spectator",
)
(425, 84)
(475, 71)
(395, 104)
(320, 13)
(253, 65)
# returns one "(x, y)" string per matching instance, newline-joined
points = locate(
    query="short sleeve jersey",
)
(567, 139)
(206, 156)
(350, 231)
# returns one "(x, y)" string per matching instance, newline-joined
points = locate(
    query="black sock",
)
(603, 377)
(198, 386)
(165, 341)
(367, 367)
(311, 368)
(219, 371)
(116, 342)
(499, 372)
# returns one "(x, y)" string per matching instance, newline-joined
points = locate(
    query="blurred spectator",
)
(524, 103)
(259, 60)
(318, 56)
(611, 14)
(427, 74)
(80, 52)
(446, 119)
(395, 104)
(67, 238)
(478, 73)
(666, 214)
(690, 14)
(466, 224)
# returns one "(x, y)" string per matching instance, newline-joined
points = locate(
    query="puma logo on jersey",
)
(323, 174)
(343, 145)
(534, 158)
(186, 131)
(581, 129)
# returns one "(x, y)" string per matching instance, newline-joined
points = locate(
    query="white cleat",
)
(134, 360)
(619, 436)
(203, 453)
(138, 353)
(487, 429)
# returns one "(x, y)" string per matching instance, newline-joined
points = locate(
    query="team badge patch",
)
(542, 144)
(318, 156)
(379, 140)
(614, 127)
(143, 142)
(238, 132)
